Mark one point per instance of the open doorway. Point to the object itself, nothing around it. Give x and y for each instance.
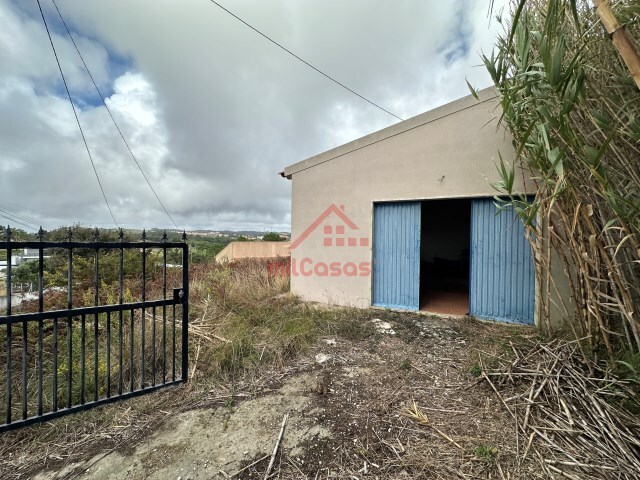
(444, 256)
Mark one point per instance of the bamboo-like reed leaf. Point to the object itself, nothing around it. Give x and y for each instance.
(574, 114)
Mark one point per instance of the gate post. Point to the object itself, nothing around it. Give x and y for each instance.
(185, 308)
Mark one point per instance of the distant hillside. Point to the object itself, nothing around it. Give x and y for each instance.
(235, 233)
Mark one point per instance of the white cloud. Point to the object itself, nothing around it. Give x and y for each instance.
(212, 110)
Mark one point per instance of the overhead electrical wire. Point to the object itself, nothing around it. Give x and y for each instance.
(17, 212)
(116, 124)
(11, 218)
(111, 115)
(305, 62)
(16, 221)
(75, 113)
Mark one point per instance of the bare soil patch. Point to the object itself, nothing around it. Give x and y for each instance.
(345, 416)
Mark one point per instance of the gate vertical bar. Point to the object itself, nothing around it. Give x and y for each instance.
(108, 349)
(96, 301)
(185, 308)
(9, 326)
(153, 346)
(144, 298)
(120, 301)
(131, 371)
(83, 366)
(164, 307)
(69, 321)
(40, 309)
(54, 385)
(173, 343)
(24, 369)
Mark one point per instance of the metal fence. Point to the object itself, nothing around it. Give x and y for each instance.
(71, 356)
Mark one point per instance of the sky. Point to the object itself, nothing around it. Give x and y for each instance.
(211, 110)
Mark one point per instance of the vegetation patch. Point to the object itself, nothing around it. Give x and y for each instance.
(569, 99)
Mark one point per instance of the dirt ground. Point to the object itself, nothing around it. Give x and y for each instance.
(346, 402)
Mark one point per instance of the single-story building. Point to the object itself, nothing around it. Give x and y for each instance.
(242, 250)
(405, 218)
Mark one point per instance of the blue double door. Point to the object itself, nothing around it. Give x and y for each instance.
(501, 280)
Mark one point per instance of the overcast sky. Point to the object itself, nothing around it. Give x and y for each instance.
(211, 110)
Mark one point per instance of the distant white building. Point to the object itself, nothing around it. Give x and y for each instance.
(24, 255)
(20, 293)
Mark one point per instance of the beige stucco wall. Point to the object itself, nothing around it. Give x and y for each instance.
(239, 250)
(449, 152)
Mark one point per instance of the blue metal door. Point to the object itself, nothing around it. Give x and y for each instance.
(396, 255)
(502, 281)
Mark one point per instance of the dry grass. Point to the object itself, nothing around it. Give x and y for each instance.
(411, 405)
(244, 320)
(573, 414)
(242, 324)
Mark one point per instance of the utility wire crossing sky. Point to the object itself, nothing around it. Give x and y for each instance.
(208, 110)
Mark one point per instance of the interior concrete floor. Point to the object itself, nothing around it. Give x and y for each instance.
(448, 302)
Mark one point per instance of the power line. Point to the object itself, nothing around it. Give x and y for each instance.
(76, 114)
(305, 62)
(18, 213)
(11, 218)
(111, 115)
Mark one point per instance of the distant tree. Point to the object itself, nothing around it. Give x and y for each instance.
(81, 233)
(26, 273)
(241, 238)
(17, 234)
(272, 237)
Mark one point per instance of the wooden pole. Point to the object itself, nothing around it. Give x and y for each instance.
(620, 38)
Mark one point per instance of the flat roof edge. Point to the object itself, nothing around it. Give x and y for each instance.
(419, 120)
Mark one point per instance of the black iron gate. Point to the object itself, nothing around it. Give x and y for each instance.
(62, 357)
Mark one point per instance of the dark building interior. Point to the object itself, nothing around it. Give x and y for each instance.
(444, 256)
